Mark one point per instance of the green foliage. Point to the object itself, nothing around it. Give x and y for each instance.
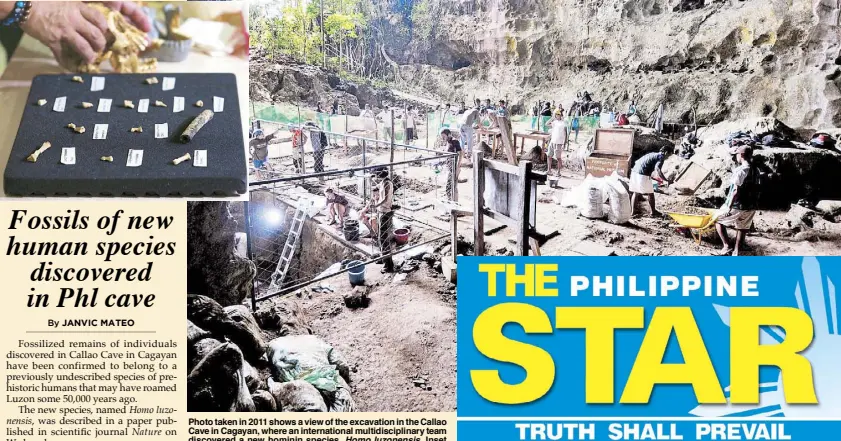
(423, 20)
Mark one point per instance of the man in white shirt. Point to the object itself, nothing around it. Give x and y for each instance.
(409, 117)
(385, 118)
(558, 127)
(468, 121)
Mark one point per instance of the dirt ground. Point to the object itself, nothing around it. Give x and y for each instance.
(401, 348)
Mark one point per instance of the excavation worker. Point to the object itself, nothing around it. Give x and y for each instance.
(319, 143)
(368, 215)
(385, 213)
(74, 31)
(259, 146)
(469, 121)
(299, 139)
(453, 146)
(558, 139)
(409, 117)
(646, 167)
(337, 207)
(742, 200)
(504, 123)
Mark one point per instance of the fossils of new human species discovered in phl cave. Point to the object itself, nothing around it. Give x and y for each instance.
(181, 159)
(125, 43)
(86, 105)
(71, 126)
(107, 159)
(137, 130)
(151, 80)
(199, 103)
(79, 129)
(42, 101)
(34, 156)
(77, 79)
(128, 104)
(196, 125)
(160, 103)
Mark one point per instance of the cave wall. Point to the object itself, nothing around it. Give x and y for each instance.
(727, 58)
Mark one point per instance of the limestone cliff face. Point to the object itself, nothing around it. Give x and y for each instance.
(726, 58)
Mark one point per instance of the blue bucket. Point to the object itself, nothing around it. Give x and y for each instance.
(356, 275)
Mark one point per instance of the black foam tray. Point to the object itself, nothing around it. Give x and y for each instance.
(222, 137)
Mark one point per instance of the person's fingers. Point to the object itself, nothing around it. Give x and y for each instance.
(81, 46)
(93, 35)
(94, 17)
(135, 14)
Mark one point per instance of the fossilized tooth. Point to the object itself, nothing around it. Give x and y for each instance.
(78, 79)
(181, 159)
(86, 105)
(128, 104)
(151, 80)
(199, 103)
(34, 156)
(107, 158)
(42, 101)
(80, 129)
(196, 125)
(137, 130)
(160, 103)
(71, 126)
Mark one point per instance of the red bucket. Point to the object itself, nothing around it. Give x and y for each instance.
(401, 236)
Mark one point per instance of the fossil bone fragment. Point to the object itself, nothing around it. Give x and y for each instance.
(125, 44)
(196, 125)
(78, 79)
(137, 130)
(160, 103)
(34, 156)
(199, 103)
(71, 126)
(86, 105)
(42, 101)
(181, 159)
(80, 129)
(151, 80)
(107, 158)
(128, 104)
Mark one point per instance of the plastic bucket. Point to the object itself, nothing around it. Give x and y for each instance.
(351, 230)
(356, 275)
(401, 236)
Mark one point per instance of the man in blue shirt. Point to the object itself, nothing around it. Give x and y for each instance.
(641, 175)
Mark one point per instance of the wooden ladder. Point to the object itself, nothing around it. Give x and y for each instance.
(291, 244)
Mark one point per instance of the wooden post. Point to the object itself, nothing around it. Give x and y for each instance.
(454, 232)
(250, 250)
(523, 209)
(478, 203)
(391, 147)
(364, 173)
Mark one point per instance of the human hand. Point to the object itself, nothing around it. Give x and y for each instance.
(73, 31)
(133, 12)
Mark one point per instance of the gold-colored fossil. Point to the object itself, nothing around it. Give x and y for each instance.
(151, 80)
(137, 130)
(107, 158)
(71, 126)
(160, 103)
(80, 129)
(78, 79)
(42, 101)
(199, 103)
(128, 104)
(86, 105)
(34, 156)
(181, 159)
(125, 43)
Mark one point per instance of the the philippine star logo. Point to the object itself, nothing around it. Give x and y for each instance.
(815, 295)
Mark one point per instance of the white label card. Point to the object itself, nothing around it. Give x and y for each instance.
(104, 105)
(218, 104)
(60, 102)
(97, 84)
(135, 158)
(143, 106)
(68, 155)
(100, 131)
(200, 158)
(178, 104)
(161, 130)
(168, 84)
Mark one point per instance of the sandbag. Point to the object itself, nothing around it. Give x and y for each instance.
(296, 396)
(591, 205)
(217, 383)
(307, 357)
(619, 201)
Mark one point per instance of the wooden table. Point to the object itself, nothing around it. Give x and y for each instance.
(541, 137)
(32, 58)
